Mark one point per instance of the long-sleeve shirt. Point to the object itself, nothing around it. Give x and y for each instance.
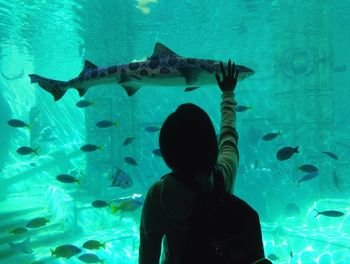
(169, 203)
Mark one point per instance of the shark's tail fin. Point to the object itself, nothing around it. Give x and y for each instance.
(56, 88)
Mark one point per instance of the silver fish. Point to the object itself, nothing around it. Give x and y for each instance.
(308, 176)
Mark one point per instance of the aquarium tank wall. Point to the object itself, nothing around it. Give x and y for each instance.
(76, 164)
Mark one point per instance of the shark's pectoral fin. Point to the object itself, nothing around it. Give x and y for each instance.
(190, 75)
(189, 89)
(81, 91)
(126, 82)
(131, 89)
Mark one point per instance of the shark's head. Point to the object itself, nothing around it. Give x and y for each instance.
(209, 67)
(244, 72)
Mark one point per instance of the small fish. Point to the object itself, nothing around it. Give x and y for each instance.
(65, 251)
(336, 181)
(32, 164)
(127, 205)
(90, 148)
(256, 164)
(106, 123)
(291, 254)
(330, 213)
(99, 204)
(65, 178)
(22, 247)
(131, 161)
(190, 89)
(93, 244)
(243, 108)
(84, 103)
(331, 154)
(17, 123)
(90, 258)
(309, 168)
(254, 135)
(121, 179)
(157, 152)
(152, 129)
(128, 141)
(286, 152)
(292, 210)
(18, 230)
(272, 257)
(271, 136)
(340, 68)
(27, 150)
(37, 222)
(308, 176)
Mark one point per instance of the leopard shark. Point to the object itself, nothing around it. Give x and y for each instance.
(163, 68)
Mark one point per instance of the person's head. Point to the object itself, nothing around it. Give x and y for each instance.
(188, 141)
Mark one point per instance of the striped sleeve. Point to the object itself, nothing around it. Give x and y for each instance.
(228, 151)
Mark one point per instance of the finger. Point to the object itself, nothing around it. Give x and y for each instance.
(229, 68)
(217, 78)
(233, 69)
(236, 74)
(222, 69)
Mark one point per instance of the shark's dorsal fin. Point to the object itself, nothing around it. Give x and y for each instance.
(88, 65)
(161, 50)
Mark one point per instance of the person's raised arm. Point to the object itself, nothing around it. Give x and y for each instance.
(228, 151)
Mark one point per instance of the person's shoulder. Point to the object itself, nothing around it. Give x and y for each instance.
(153, 192)
(155, 187)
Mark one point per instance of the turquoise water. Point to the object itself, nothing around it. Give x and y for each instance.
(299, 51)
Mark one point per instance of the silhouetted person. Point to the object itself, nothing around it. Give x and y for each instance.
(189, 147)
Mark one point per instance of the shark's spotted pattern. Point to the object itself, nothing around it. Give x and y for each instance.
(112, 70)
(144, 72)
(163, 68)
(153, 63)
(134, 66)
(172, 60)
(191, 61)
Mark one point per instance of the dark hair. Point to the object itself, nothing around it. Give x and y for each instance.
(188, 141)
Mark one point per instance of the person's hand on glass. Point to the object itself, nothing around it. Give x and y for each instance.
(229, 81)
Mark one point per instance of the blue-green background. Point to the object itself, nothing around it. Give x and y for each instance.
(299, 51)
